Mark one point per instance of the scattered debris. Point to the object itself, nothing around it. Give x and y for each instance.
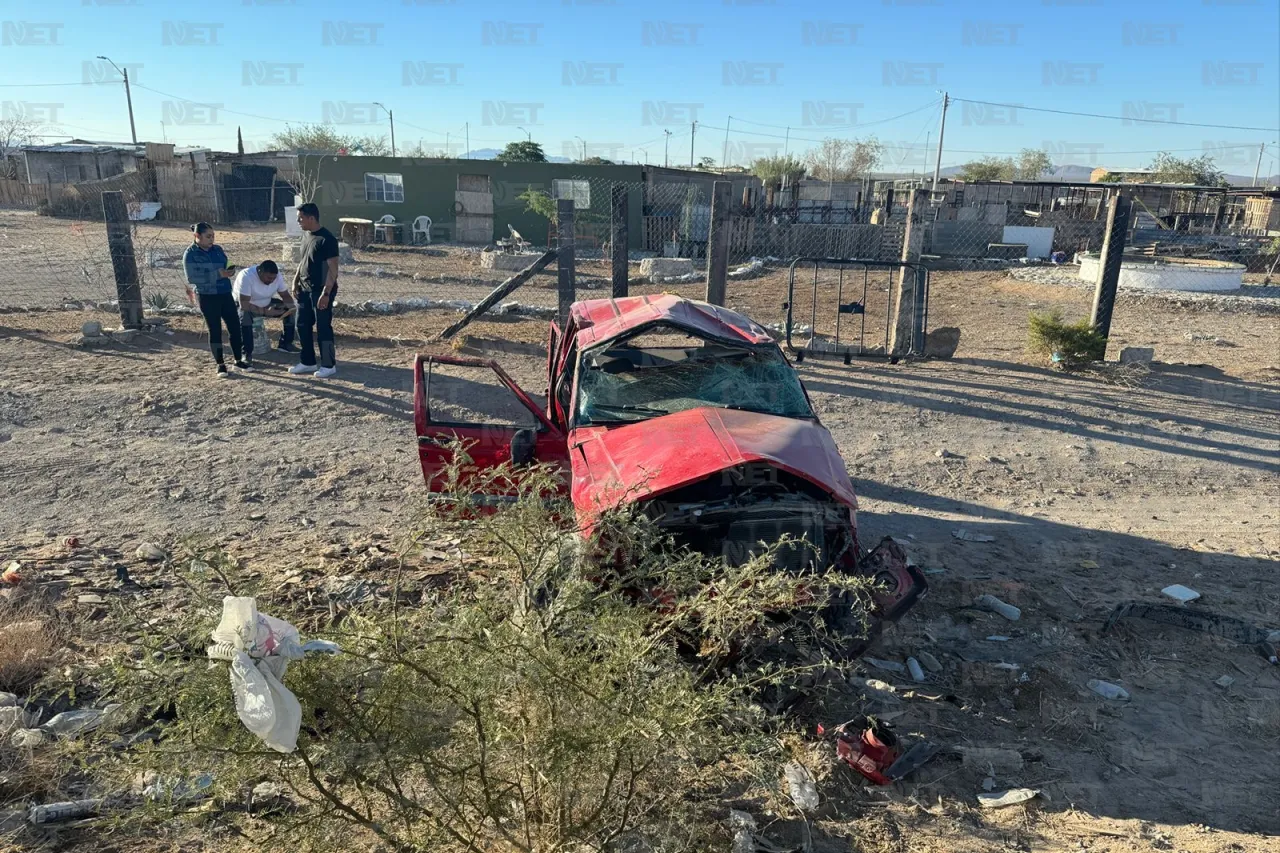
(11, 574)
(156, 787)
(12, 717)
(1180, 593)
(874, 751)
(998, 638)
(72, 724)
(1004, 799)
(1225, 681)
(913, 667)
(877, 686)
(947, 454)
(90, 598)
(800, 784)
(965, 536)
(995, 605)
(751, 269)
(886, 665)
(151, 552)
(1088, 564)
(54, 812)
(28, 738)
(1107, 690)
(930, 662)
(743, 825)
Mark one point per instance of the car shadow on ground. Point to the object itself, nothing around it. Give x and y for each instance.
(985, 393)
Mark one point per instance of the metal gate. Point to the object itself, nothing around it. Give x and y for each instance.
(846, 308)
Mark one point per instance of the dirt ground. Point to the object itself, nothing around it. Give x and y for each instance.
(1093, 493)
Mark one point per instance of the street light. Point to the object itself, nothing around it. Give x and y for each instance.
(391, 117)
(584, 146)
(527, 135)
(124, 72)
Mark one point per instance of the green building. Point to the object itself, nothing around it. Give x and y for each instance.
(469, 201)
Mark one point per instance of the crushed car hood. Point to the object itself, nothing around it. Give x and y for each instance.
(629, 462)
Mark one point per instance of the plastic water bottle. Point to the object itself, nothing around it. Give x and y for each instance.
(261, 343)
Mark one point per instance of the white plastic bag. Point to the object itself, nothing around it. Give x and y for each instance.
(259, 648)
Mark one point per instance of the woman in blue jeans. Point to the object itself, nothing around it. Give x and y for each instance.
(209, 284)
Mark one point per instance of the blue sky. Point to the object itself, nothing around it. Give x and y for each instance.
(778, 75)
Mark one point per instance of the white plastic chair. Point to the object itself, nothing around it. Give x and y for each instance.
(422, 225)
(387, 220)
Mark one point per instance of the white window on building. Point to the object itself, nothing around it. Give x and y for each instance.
(579, 191)
(383, 187)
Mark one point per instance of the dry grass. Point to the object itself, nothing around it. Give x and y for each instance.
(28, 644)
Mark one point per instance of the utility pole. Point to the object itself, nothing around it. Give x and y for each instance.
(942, 129)
(692, 136)
(1258, 168)
(786, 145)
(724, 156)
(446, 143)
(666, 150)
(128, 96)
(392, 119)
(584, 146)
(467, 127)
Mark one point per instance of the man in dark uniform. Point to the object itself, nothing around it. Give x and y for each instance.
(316, 286)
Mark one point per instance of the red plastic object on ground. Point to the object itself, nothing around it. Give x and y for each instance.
(872, 751)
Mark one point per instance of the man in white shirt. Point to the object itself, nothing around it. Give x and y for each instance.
(260, 290)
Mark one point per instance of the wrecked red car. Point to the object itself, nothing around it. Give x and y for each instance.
(689, 410)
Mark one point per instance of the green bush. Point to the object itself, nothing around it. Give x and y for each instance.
(1069, 345)
(545, 699)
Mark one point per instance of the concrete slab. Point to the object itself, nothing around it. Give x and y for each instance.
(666, 267)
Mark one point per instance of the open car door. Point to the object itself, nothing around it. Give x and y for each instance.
(474, 401)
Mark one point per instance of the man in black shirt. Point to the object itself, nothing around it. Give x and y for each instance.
(316, 286)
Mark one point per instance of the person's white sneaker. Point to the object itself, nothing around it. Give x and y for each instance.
(326, 372)
(299, 369)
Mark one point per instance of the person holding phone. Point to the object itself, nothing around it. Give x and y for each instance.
(209, 277)
(260, 291)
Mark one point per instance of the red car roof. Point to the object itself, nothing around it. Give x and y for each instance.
(596, 320)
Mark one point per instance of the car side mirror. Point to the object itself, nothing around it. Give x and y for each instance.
(523, 444)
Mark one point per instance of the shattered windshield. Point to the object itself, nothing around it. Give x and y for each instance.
(658, 373)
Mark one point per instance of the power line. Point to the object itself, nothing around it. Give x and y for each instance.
(220, 107)
(843, 126)
(1116, 118)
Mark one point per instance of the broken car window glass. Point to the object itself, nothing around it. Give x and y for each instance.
(656, 374)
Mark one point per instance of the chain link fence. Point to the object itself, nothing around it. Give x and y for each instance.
(59, 260)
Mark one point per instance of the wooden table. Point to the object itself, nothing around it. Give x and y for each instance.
(356, 233)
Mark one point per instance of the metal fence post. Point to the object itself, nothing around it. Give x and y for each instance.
(618, 239)
(718, 242)
(565, 259)
(1104, 295)
(123, 262)
(906, 303)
